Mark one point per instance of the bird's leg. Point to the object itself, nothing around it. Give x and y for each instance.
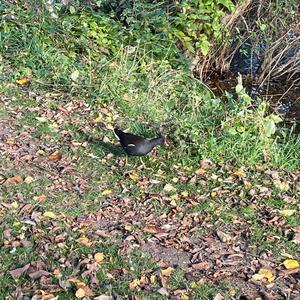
(141, 160)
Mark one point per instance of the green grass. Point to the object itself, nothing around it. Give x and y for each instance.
(131, 87)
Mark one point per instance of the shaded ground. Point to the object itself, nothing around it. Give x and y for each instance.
(76, 220)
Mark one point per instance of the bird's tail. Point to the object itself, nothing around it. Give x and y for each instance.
(117, 132)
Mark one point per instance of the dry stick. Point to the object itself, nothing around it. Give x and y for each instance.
(293, 83)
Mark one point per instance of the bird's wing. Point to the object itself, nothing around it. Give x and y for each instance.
(128, 139)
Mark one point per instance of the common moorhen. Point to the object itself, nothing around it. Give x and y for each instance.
(137, 145)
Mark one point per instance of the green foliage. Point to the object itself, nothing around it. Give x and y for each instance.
(198, 22)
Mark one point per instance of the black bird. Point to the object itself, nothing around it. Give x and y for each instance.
(137, 145)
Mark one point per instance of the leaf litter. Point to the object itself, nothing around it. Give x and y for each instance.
(199, 242)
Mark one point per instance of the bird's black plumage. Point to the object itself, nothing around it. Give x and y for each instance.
(137, 145)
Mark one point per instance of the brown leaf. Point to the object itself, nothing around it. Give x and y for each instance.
(224, 237)
(40, 198)
(16, 273)
(63, 109)
(38, 274)
(203, 266)
(167, 272)
(152, 229)
(55, 156)
(289, 272)
(13, 180)
(205, 163)
(200, 171)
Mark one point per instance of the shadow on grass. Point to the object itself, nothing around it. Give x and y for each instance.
(105, 147)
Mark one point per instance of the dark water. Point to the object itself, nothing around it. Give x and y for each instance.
(284, 97)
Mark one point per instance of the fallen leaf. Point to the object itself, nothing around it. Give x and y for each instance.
(224, 237)
(40, 198)
(133, 284)
(291, 264)
(106, 192)
(99, 257)
(152, 229)
(16, 273)
(134, 176)
(13, 180)
(169, 188)
(22, 81)
(80, 293)
(202, 266)
(104, 297)
(287, 212)
(185, 194)
(200, 171)
(41, 119)
(49, 214)
(218, 297)
(55, 156)
(28, 179)
(264, 274)
(205, 163)
(84, 241)
(281, 185)
(167, 272)
(239, 172)
(184, 297)
(213, 194)
(163, 291)
(75, 75)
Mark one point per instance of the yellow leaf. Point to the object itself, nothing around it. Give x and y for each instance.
(22, 81)
(49, 214)
(184, 297)
(53, 125)
(152, 279)
(169, 188)
(15, 204)
(281, 185)
(113, 64)
(84, 241)
(98, 119)
(133, 284)
(167, 272)
(247, 185)
(28, 179)
(239, 172)
(40, 152)
(77, 282)
(80, 293)
(128, 228)
(134, 176)
(106, 192)
(264, 274)
(291, 264)
(185, 194)
(99, 257)
(287, 212)
(213, 194)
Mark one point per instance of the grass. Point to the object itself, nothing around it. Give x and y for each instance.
(135, 90)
